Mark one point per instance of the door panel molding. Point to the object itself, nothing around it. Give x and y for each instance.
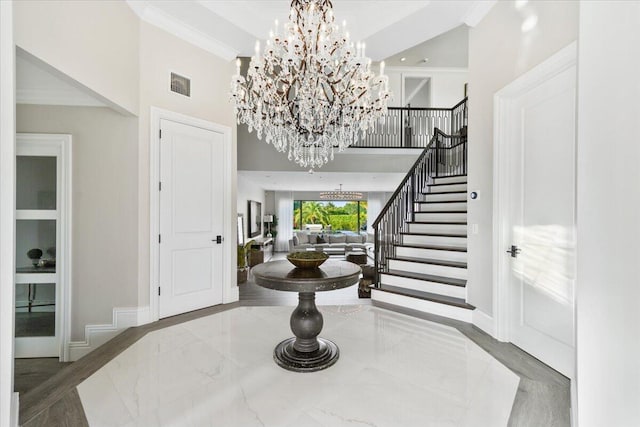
(505, 132)
(229, 288)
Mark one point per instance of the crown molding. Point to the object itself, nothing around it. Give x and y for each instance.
(154, 16)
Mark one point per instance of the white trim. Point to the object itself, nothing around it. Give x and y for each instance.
(478, 11)
(574, 402)
(483, 321)
(15, 409)
(503, 124)
(8, 404)
(444, 310)
(96, 335)
(52, 96)
(60, 145)
(230, 291)
(154, 16)
(425, 71)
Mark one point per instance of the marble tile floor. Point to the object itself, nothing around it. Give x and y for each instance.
(394, 370)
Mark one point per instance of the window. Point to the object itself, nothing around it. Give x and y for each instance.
(334, 216)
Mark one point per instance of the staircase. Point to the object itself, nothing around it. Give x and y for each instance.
(428, 271)
(421, 235)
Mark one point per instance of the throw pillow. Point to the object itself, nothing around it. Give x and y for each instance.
(302, 238)
(320, 239)
(296, 241)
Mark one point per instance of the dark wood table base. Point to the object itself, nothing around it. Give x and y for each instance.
(287, 357)
(306, 352)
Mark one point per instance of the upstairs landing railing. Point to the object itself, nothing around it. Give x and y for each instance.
(405, 127)
(445, 155)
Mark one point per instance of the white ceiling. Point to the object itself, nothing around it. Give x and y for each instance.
(230, 28)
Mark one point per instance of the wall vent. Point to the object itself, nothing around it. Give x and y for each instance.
(180, 84)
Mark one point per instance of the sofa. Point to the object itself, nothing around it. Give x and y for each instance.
(303, 241)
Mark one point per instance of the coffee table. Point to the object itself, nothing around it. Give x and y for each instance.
(305, 352)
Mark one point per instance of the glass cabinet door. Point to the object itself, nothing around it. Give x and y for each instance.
(37, 241)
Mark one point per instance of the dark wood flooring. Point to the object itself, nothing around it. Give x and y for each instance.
(542, 398)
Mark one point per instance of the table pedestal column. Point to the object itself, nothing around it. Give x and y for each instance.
(306, 352)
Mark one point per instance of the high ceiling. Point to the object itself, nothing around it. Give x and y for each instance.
(230, 28)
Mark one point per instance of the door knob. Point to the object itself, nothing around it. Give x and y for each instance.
(218, 239)
(514, 251)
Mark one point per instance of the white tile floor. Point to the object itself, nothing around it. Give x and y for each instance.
(394, 370)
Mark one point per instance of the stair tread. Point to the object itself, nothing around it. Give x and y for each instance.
(443, 201)
(444, 192)
(444, 263)
(447, 183)
(434, 247)
(441, 212)
(442, 299)
(427, 277)
(450, 176)
(436, 222)
(436, 234)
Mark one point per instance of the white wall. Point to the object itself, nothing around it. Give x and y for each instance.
(248, 190)
(257, 155)
(376, 202)
(446, 84)
(8, 411)
(499, 52)
(105, 204)
(161, 53)
(95, 43)
(608, 288)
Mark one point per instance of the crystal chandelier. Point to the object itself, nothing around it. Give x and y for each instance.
(311, 91)
(340, 195)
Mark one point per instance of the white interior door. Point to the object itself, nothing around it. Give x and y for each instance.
(542, 275)
(191, 218)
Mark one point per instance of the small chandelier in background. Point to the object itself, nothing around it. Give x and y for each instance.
(340, 195)
(311, 92)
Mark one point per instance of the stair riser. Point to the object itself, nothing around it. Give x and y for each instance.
(461, 197)
(431, 254)
(438, 228)
(435, 207)
(451, 179)
(434, 240)
(444, 310)
(446, 188)
(424, 286)
(436, 270)
(440, 217)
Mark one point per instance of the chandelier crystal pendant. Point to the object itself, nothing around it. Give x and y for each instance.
(311, 91)
(340, 195)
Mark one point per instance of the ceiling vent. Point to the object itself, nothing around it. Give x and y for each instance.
(180, 84)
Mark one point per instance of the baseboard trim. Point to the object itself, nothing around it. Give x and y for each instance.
(96, 335)
(483, 321)
(15, 409)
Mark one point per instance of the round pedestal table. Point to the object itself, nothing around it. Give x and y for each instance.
(306, 352)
